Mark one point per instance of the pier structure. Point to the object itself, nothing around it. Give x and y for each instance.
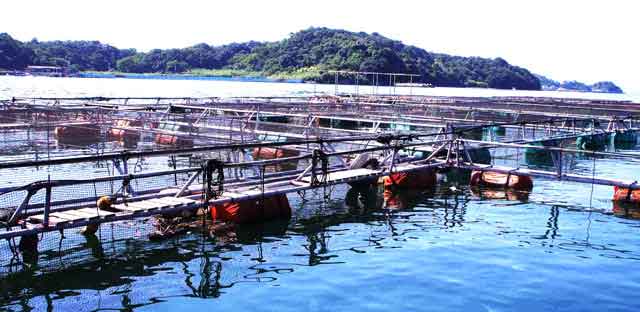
(330, 137)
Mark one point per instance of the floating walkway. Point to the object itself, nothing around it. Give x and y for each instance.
(385, 136)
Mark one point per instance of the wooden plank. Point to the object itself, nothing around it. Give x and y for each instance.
(82, 214)
(344, 175)
(177, 200)
(168, 201)
(127, 207)
(148, 205)
(68, 216)
(100, 213)
(52, 219)
(136, 206)
(163, 203)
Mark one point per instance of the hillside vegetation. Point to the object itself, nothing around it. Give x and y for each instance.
(306, 55)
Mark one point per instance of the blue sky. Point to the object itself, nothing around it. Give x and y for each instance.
(563, 39)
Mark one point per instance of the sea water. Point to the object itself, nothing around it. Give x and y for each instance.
(564, 248)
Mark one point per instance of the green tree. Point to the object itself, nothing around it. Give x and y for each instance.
(14, 54)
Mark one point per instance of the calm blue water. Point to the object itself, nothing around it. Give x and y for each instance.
(444, 252)
(67, 87)
(563, 249)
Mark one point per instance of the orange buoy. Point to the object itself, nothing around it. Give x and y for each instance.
(626, 209)
(411, 179)
(73, 133)
(121, 130)
(496, 179)
(170, 139)
(273, 153)
(626, 195)
(254, 210)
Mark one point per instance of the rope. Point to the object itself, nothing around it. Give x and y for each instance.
(593, 178)
(208, 168)
(319, 156)
(262, 198)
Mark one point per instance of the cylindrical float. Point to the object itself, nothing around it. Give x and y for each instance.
(591, 142)
(411, 179)
(253, 210)
(273, 153)
(122, 130)
(171, 139)
(77, 133)
(623, 194)
(505, 180)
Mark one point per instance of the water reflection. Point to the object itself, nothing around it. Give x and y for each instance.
(506, 194)
(626, 210)
(322, 233)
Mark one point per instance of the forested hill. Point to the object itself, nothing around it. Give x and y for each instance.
(307, 54)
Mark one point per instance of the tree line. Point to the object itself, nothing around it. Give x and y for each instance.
(310, 53)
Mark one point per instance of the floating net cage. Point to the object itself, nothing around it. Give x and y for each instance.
(205, 122)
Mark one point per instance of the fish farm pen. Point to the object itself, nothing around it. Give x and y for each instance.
(127, 170)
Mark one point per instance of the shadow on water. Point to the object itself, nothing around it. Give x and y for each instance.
(203, 266)
(141, 258)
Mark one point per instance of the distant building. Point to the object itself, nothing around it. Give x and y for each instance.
(52, 71)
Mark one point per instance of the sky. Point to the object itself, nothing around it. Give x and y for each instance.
(563, 39)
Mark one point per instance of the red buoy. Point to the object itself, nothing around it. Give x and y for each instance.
(625, 209)
(273, 153)
(411, 179)
(170, 139)
(623, 194)
(496, 179)
(122, 130)
(77, 132)
(254, 210)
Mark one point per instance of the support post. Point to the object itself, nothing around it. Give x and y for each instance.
(47, 205)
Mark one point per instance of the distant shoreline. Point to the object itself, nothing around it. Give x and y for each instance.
(160, 76)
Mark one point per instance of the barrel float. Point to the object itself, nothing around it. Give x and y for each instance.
(626, 210)
(253, 210)
(273, 153)
(593, 142)
(623, 194)
(77, 133)
(625, 139)
(411, 179)
(120, 130)
(495, 179)
(170, 139)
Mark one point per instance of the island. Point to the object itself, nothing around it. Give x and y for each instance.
(310, 55)
(599, 87)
